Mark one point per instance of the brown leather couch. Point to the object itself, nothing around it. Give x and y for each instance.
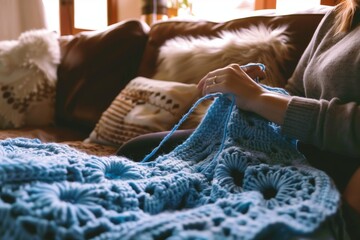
(95, 66)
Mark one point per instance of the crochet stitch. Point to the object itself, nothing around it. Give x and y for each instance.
(235, 177)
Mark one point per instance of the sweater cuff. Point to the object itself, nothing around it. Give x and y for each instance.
(299, 117)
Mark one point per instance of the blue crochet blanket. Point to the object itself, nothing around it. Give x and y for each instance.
(235, 177)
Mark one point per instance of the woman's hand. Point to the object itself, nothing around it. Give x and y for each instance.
(237, 80)
(250, 96)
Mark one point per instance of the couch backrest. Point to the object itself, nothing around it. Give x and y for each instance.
(301, 26)
(97, 65)
(94, 67)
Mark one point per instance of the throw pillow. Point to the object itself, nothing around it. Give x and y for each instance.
(28, 79)
(188, 59)
(143, 106)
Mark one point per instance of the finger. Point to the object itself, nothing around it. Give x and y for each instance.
(254, 65)
(202, 81)
(252, 68)
(214, 84)
(213, 88)
(254, 71)
(200, 85)
(207, 83)
(209, 78)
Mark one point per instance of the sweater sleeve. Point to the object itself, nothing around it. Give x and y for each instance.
(295, 85)
(329, 125)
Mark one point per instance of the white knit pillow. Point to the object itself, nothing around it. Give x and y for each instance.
(28, 79)
(143, 106)
(188, 59)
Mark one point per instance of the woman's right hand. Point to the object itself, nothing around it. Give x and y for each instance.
(237, 80)
(255, 70)
(249, 95)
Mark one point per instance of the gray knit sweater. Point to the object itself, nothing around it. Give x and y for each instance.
(325, 108)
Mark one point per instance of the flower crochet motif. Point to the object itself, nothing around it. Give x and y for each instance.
(235, 177)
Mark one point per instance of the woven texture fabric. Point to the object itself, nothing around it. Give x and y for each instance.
(235, 177)
(28, 79)
(143, 106)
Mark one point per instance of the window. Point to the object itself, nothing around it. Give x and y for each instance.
(221, 10)
(72, 16)
(52, 15)
(90, 14)
(291, 5)
(96, 14)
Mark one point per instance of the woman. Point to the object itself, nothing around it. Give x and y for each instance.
(323, 109)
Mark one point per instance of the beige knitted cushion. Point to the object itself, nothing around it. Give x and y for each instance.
(28, 79)
(143, 106)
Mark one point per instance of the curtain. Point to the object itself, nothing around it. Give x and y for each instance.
(17, 16)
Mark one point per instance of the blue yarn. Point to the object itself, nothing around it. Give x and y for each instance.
(262, 68)
(213, 164)
(195, 105)
(235, 177)
(182, 120)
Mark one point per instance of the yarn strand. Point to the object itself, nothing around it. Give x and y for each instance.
(208, 96)
(182, 120)
(214, 162)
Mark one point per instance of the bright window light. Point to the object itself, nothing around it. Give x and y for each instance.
(215, 10)
(90, 14)
(291, 5)
(52, 15)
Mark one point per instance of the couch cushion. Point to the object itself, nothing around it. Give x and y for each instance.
(28, 79)
(95, 67)
(144, 106)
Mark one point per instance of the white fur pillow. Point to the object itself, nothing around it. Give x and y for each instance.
(188, 59)
(28, 79)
